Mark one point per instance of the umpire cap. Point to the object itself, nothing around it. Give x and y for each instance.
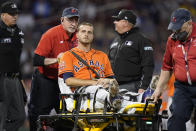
(126, 15)
(178, 18)
(9, 7)
(70, 12)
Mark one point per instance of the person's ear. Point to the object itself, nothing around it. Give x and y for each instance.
(190, 22)
(2, 15)
(62, 19)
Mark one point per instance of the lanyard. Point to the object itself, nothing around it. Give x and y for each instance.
(186, 62)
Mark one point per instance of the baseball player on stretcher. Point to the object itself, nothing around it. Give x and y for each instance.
(95, 77)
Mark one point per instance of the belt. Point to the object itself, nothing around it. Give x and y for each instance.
(186, 83)
(10, 74)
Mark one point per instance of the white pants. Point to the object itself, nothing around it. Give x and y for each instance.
(101, 95)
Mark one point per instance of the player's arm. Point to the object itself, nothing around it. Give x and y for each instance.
(66, 71)
(75, 82)
(108, 73)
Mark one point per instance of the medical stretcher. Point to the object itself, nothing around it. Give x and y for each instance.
(146, 117)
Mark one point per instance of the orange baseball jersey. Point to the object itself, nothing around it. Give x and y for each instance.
(72, 67)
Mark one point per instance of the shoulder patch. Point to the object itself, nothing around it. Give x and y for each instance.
(148, 48)
(62, 65)
(6, 40)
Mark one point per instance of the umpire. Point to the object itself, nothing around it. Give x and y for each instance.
(12, 112)
(131, 54)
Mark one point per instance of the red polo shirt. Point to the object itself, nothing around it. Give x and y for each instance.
(174, 58)
(53, 42)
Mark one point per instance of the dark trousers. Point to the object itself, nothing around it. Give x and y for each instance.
(12, 112)
(131, 86)
(44, 97)
(184, 100)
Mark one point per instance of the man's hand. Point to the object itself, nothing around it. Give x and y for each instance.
(106, 82)
(156, 95)
(59, 56)
(141, 90)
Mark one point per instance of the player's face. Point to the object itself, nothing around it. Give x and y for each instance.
(85, 34)
(119, 25)
(9, 19)
(70, 24)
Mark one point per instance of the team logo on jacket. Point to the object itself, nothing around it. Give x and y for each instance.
(128, 43)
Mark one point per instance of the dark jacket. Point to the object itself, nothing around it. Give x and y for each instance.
(11, 43)
(131, 57)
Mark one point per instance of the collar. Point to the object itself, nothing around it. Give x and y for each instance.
(10, 29)
(193, 34)
(91, 51)
(131, 31)
(3, 25)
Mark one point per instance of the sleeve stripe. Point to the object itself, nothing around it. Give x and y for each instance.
(67, 75)
(111, 74)
(64, 71)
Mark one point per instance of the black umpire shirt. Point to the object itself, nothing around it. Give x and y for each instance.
(11, 43)
(131, 57)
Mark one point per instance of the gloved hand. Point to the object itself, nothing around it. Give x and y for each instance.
(113, 87)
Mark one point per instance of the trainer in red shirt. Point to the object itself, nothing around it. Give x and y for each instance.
(180, 58)
(174, 58)
(53, 42)
(45, 90)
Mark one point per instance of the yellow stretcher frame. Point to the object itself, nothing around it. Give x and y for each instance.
(97, 121)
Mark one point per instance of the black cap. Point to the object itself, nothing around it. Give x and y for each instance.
(9, 7)
(126, 15)
(70, 12)
(178, 18)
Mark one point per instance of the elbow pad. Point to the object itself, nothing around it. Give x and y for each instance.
(38, 60)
